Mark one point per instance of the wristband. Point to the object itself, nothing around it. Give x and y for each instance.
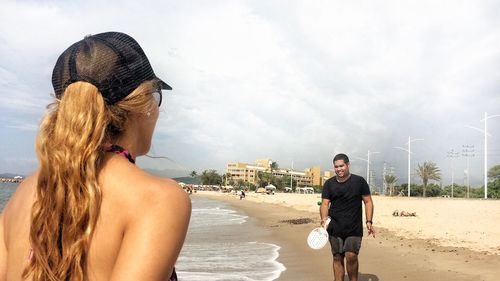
(369, 222)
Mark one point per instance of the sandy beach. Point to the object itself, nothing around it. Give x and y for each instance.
(448, 239)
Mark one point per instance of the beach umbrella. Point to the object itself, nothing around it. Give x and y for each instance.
(270, 186)
(260, 190)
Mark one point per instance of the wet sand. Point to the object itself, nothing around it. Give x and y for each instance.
(392, 255)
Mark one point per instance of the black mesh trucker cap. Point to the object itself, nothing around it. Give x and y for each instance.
(112, 61)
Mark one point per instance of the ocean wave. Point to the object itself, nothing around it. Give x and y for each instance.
(222, 245)
(245, 261)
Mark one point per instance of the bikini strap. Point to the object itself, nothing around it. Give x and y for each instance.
(121, 151)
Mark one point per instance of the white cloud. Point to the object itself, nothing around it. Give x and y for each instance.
(298, 82)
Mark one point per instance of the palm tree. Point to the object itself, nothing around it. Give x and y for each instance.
(210, 177)
(240, 183)
(273, 166)
(204, 177)
(390, 180)
(262, 178)
(428, 171)
(494, 172)
(193, 174)
(228, 178)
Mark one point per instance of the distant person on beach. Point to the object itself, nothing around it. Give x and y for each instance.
(341, 201)
(88, 212)
(397, 213)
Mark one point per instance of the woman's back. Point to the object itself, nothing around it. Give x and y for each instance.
(89, 213)
(15, 229)
(138, 234)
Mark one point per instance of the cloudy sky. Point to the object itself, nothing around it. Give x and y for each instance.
(288, 80)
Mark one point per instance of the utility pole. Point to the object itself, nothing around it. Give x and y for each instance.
(452, 154)
(468, 152)
(384, 184)
(270, 169)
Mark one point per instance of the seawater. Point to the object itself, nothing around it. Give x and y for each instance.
(6, 191)
(223, 244)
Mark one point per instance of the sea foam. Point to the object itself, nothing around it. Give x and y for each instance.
(222, 245)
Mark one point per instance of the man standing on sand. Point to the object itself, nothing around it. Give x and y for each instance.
(341, 201)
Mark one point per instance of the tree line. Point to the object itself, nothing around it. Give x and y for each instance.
(212, 177)
(427, 172)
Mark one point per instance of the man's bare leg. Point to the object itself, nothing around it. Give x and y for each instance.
(338, 267)
(352, 265)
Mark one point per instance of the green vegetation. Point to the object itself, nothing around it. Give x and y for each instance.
(263, 178)
(459, 191)
(494, 172)
(210, 177)
(416, 190)
(494, 189)
(274, 166)
(188, 180)
(390, 180)
(318, 188)
(247, 185)
(428, 171)
(267, 177)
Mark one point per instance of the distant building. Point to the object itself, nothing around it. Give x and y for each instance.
(249, 172)
(315, 174)
(327, 175)
(16, 179)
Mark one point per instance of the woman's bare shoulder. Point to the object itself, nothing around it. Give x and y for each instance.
(24, 195)
(136, 189)
(152, 189)
(155, 225)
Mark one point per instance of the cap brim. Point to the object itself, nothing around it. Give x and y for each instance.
(163, 85)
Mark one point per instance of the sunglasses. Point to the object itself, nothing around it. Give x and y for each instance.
(157, 96)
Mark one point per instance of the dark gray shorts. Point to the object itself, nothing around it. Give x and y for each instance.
(350, 244)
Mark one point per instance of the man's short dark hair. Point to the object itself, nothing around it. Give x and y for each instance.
(341, 156)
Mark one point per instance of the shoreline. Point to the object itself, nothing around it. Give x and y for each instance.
(390, 256)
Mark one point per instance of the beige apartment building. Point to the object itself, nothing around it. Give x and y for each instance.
(249, 172)
(327, 175)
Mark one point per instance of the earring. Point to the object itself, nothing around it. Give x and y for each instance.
(148, 114)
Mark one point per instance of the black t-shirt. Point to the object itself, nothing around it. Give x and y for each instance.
(345, 205)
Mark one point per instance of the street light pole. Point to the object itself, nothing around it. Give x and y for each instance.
(485, 155)
(409, 159)
(368, 165)
(485, 132)
(271, 169)
(486, 117)
(409, 170)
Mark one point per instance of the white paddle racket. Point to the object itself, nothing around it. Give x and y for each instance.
(318, 237)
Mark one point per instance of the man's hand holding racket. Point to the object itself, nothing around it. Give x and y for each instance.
(318, 237)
